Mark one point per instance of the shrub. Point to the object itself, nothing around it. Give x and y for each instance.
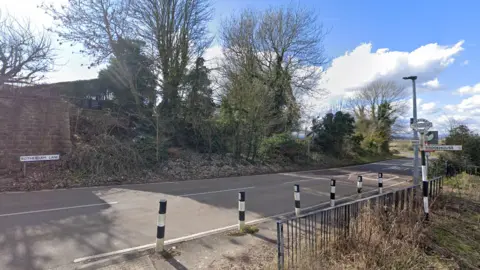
(146, 147)
(104, 155)
(282, 146)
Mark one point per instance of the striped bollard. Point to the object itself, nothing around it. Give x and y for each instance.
(296, 195)
(241, 210)
(162, 211)
(332, 192)
(425, 184)
(380, 182)
(359, 184)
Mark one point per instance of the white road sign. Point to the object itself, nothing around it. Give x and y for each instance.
(437, 147)
(422, 125)
(39, 158)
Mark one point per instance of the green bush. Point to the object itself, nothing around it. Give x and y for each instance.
(282, 146)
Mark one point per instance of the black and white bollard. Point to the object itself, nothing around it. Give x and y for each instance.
(380, 182)
(162, 211)
(241, 210)
(296, 196)
(359, 184)
(425, 185)
(332, 192)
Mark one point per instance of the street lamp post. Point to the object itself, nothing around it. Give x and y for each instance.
(415, 133)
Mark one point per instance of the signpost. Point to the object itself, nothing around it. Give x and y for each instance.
(26, 159)
(39, 158)
(438, 147)
(431, 137)
(422, 125)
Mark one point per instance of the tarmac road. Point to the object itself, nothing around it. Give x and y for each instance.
(50, 229)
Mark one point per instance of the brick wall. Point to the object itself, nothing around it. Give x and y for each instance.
(32, 122)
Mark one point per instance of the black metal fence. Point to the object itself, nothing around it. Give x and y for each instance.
(306, 237)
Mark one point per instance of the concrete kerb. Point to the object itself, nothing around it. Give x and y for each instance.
(104, 256)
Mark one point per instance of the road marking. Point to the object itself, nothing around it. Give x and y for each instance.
(303, 176)
(211, 192)
(209, 232)
(305, 180)
(375, 178)
(183, 181)
(55, 209)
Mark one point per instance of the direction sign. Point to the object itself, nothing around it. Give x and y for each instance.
(39, 158)
(437, 147)
(422, 125)
(431, 137)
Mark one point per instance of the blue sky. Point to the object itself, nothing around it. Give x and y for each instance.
(436, 40)
(400, 26)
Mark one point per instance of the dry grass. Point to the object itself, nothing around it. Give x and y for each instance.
(403, 240)
(455, 228)
(378, 241)
(247, 229)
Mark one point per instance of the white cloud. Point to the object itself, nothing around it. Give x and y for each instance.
(471, 103)
(433, 84)
(361, 66)
(467, 112)
(469, 90)
(428, 107)
(465, 63)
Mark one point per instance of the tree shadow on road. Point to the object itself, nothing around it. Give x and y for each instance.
(45, 240)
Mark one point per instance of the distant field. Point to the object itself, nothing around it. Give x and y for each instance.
(401, 147)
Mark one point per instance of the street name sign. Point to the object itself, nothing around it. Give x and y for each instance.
(39, 158)
(422, 125)
(437, 147)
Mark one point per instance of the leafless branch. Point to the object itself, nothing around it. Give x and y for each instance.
(25, 54)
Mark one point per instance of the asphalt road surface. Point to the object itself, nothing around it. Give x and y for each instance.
(50, 229)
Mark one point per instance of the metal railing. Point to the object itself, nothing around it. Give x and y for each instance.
(308, 235)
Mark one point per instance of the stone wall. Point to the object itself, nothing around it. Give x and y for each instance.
(33, 121)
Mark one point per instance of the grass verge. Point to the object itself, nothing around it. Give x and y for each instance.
(403, 240)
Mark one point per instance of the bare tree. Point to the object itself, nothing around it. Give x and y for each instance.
(377, 107)
(97, 25)
(177, 32)
(104, 28)
(291, 40)
(283, 48)
(369, 98)
(25, 54)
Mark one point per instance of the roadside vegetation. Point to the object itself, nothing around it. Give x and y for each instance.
(164, 111)
(449, 240)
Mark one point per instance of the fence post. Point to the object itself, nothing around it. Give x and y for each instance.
(425, 185)
(359, 184)
(281, 258)
(380, 182)
(296, 196)
(446, 168)
(332, 192)
(162, 211)
(241, 210)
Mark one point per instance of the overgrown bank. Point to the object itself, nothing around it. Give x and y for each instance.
(182, 165)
